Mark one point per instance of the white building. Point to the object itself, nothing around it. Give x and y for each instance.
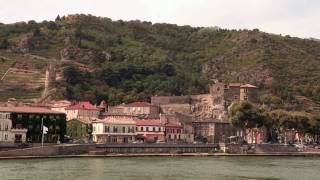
(8, 135)
(114, 129)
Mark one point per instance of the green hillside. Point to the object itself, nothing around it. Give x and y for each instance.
(126, 61)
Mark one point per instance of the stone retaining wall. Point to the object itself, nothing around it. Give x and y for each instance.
(48, 151)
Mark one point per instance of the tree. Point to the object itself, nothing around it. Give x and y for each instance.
(4, 44)
(58, 18)
(301, 123)
(246, 116)
(279, 122)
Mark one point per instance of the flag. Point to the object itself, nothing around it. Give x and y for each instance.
(44, 130)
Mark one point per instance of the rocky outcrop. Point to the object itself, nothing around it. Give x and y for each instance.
(74, 53)
(25, 45)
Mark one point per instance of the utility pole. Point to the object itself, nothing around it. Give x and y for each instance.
(42, 132)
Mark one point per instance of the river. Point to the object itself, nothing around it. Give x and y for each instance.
(156, 168)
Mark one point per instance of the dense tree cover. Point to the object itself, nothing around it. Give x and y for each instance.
(127, 61)
(78, 130)
(244, 115)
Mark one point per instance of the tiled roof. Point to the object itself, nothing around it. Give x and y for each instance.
(36, 110)
(62, 103)
(234, 84)
(83, 105)
(149, 122)
(173, 125)
(138, 104)
(127, 120)
(248, 86)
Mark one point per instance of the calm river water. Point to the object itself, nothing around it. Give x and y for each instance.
(149, 168)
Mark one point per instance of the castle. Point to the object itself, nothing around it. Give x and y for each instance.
(208, 111)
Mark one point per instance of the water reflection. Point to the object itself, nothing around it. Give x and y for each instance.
(156, 168)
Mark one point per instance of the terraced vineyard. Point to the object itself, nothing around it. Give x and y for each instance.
(25, 78)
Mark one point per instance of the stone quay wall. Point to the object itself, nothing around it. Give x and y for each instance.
(154, 148)
(259, 149)
(48, 151)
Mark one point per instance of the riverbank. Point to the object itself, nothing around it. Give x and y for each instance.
(298, 154)
(153, 150)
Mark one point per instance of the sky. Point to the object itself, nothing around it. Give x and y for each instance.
(300, 18)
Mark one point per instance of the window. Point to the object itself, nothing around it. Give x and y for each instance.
(245, 90)
(115, 129)
(235, 97)
(159, 129)
(147, 129)
(141, 128)
(245, 97)
(106, 129)
(123, 129)
(136, 128)
(154, 129)
(6, 137)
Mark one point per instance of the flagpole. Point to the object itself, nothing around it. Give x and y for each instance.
(42, 132)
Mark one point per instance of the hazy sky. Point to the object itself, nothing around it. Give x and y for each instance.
(294, 17)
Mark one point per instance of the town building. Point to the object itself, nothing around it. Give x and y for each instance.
(185, 124)
(134, 109)
(228, 93)
(9, 135)
(114, 129)
(174, 132)
(212, 131)
(83, 111)
(60, 106)
(30, 118)
(150, 130)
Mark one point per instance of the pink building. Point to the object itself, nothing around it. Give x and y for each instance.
(150, 130)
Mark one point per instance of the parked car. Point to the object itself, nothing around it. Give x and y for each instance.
(159, 142)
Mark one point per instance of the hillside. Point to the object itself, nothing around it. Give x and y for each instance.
(127, 61)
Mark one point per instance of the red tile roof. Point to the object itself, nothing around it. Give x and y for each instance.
(149, 122)
(83, 105)
(173, 125)
(138, 104)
